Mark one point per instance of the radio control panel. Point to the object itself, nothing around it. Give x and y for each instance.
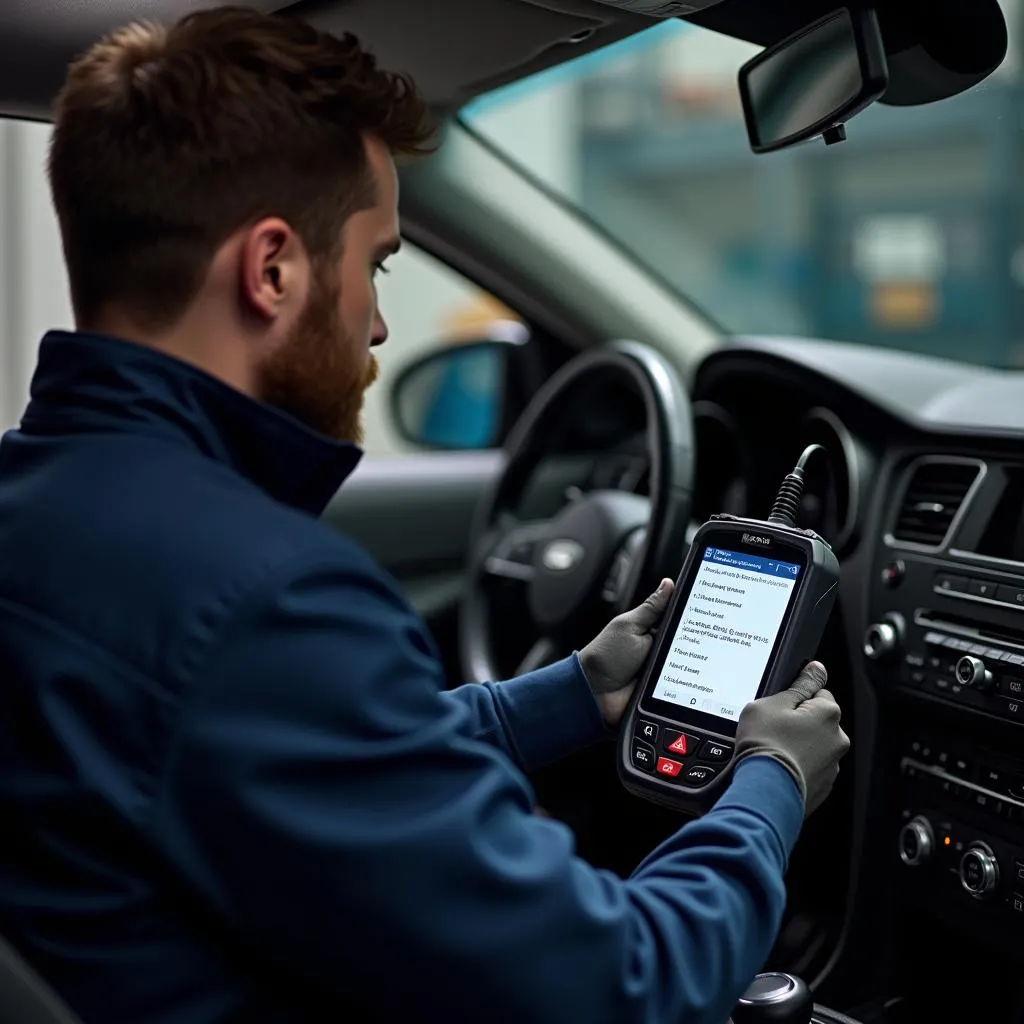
(960, 838)
(958, 636)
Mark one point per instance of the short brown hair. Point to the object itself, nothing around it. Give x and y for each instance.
(169, 139)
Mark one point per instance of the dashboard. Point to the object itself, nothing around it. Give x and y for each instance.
(922, 497)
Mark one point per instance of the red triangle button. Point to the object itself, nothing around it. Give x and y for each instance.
(678, 745)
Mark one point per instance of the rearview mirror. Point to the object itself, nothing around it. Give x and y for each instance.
(812, 83)
(453, 398)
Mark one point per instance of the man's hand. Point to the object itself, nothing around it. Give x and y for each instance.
(613, 659)
(799, 727)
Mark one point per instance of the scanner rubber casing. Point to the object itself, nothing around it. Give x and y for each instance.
(800, 635)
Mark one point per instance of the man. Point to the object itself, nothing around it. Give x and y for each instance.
(232, 787)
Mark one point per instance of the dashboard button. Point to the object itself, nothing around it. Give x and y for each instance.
(893, 573)
(953, 584)
(681, 744)
(646, 731)
(1013, 707)
(1010, 595)
(950, 787)
(643, 756)
(979, 871)
(713, 751)
(982, 588)
(699, 774)
(668, 767)
(1012, 687)
(1014, 659)
(916, 842)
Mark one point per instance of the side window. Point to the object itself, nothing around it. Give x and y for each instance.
(442, 380)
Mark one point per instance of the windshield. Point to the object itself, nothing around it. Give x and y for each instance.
(910, 235)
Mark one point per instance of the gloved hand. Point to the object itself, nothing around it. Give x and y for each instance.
(614, 658)
(799, 727)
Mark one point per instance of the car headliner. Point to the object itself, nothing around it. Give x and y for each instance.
(457, 49)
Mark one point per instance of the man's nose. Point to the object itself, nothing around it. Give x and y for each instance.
(380, 331)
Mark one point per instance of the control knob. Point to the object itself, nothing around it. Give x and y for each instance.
(775, 998)
(979, 871)
(883, 639)
(973, 673)
(917, 842)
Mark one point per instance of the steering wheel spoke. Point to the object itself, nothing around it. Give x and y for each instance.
(545, 651)
(511, 555)
(617, 589)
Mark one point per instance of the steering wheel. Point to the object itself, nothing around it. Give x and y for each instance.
(605, 550)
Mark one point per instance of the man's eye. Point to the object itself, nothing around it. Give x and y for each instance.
(380, 268)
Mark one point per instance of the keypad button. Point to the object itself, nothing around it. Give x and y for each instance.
(982, 588)
(668, 767)
(715, 751)
(681, 744)
(646, 731)
(699, 774)
(643, 756)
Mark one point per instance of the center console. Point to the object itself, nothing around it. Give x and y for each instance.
(946, 643)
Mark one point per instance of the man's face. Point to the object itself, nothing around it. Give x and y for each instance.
(321, 372)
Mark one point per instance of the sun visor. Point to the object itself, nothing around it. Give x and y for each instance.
(935, 48)
(947, 48)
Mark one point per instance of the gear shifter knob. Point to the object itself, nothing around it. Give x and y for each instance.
(775, 998)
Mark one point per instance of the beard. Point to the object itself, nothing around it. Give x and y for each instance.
(316, 375)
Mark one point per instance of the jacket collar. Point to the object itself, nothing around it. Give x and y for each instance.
(87, 383)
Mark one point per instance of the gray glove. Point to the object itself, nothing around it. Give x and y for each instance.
(612, 661)
(799, 727)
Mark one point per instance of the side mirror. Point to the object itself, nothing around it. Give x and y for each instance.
(454, 398)
(812, 83)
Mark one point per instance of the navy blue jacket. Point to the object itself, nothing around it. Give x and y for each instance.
(233, 788)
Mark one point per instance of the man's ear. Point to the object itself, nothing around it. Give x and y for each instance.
(274, 269)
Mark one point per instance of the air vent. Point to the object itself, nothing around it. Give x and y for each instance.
(933, 497)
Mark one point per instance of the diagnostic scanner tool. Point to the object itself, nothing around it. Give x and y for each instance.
(748, 613)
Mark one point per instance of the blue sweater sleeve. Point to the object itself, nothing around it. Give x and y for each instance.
(331, 808)
(535, 718)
